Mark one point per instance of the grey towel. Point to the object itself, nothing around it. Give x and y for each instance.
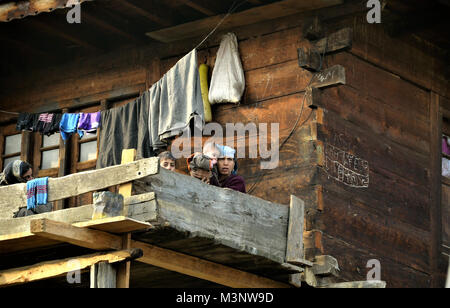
(175, 100)
(124, 128)
(162, 112)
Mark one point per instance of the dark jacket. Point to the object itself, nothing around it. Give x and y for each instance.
(235, 182)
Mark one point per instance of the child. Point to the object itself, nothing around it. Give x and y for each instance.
(212, 151)
(167, 161)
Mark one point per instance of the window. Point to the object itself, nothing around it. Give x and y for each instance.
(10, 145)
(50, 152)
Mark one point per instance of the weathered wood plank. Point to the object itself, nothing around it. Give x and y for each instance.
(234, 219)
(254, 15)
(14, 196)
(54, 269)
(117, 225)
(295, 251)
(202, 269)
(83, 237)
(138, 206)
(384, 236)
(353, 260)
(379, 117)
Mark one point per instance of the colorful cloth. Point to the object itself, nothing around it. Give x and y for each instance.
(445, 145)
(69, 125)
(37, 193)
(89, 122)
(46, 117)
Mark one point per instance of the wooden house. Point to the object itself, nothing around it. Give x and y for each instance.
(362, 108)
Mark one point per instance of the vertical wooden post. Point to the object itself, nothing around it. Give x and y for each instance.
(123, 270)
(64, 160)
(295, 252)
(26, 149)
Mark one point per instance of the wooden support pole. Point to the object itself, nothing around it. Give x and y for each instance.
(128, 156)
(295, 253)
(124, 269)
(82, 237)
(57, 268)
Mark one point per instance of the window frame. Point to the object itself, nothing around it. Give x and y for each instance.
(7, 131)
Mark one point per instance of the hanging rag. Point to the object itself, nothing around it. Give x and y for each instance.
(446, 145)
(37, 193)
(89, 122)
(121, 128)
(53, 126)
(175, 101)
(25, 121)
(69, 125)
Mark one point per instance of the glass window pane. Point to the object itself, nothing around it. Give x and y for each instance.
(88, 151)
(13, 144)
(8, 160)
(50, 159)
(49, 141)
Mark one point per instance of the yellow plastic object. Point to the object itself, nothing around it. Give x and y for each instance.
(205, 92)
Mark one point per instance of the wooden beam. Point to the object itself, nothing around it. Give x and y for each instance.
(153, 255)
(21, 9)
(294, 247)
(14, 196)
(83, 237)
(55, 269)
(128, 156)
(198, 7)
(203, 269)
(124, 269)
(330, 77)
(109, 28)
(231, 218)
(63, 35)
(149, 15)
(258, 14)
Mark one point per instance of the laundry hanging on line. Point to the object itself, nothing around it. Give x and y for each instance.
(66, 124)
(159, 114)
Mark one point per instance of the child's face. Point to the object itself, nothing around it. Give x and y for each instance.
(213, 154)
(168, 164)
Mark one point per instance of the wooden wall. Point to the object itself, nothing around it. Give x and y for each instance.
(383, 116)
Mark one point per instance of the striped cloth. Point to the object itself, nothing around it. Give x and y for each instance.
(37, 193)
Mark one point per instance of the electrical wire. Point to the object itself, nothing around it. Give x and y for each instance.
(258, 180)
(232, 9)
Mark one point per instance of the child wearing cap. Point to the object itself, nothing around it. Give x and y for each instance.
(227, 170)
